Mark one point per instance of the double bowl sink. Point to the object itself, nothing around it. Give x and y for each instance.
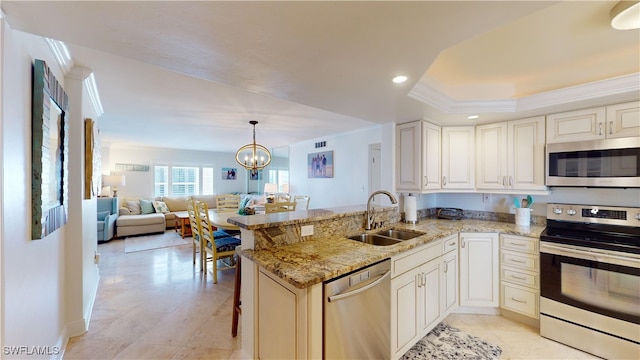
(385, 237)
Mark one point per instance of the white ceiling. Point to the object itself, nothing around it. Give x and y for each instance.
(192, 75)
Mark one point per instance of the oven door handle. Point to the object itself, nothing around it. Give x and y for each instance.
(559, 250)
(591, 255)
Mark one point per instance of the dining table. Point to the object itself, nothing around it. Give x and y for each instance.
(219, 218)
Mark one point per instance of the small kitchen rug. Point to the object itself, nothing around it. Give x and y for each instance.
(446, 342)
(154, 241)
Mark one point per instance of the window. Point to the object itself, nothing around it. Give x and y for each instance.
(280, 177)
(161, 180)
(183, 180)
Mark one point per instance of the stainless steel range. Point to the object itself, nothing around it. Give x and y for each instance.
(590, 279)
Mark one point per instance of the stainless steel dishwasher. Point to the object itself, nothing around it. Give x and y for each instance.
(357, 314)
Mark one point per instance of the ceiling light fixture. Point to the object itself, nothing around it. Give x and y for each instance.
(253, 156)
(399, 79)
(471, 117)
(626, 15)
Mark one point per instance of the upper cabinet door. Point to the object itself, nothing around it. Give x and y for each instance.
(458, 165)
(525, 154)
(491, 168)
(408, 156)
(431, 156)
(580, 125)
(623, 120)
(417, 156)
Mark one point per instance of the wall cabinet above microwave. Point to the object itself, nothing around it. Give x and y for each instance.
(614, 121)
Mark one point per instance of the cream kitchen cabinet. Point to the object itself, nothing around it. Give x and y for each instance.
(479, 277)
(613, 121)
(449, 286)
(510, 155)
(289, 319)
(458, 158)
(415, 296)
(520, 275)
(418, 156)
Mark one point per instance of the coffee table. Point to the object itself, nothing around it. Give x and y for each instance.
(182, 225)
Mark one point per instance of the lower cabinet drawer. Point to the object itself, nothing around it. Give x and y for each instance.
(520, 277)
(519, 260)
(519, 299)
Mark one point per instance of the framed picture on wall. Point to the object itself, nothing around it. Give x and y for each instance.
(229, 173)
(255, 175)
(320, 164)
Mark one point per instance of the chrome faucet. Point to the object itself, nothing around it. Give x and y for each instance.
(369, 214)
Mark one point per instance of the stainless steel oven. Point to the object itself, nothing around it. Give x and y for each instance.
(590, 279)
(599, 163)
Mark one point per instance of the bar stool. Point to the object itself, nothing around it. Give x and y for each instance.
(236, 294)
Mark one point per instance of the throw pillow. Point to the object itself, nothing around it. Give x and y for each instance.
(160, 207)
(146, 207)
(134, 207)
(102, 215)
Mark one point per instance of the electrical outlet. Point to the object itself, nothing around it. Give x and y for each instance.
(96, 257)
(486, 198)
(306, 230)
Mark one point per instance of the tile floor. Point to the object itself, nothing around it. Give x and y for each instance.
(153, 305)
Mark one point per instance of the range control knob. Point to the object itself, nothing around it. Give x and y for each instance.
(571, 212)
(557, 211)
(638, 216)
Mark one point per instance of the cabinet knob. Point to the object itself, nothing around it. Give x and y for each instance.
(462, 242)
(426, 181)
(599, 128)
(444, 180)
(610, 127)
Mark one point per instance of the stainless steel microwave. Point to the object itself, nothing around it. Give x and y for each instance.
(598, 163)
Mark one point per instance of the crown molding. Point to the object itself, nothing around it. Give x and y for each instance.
(61, 53)
(593, 90)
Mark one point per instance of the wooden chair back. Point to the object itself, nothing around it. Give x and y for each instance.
(195, 231)
(302, 201)
(208, 241)
(279, 206)
(228, 202)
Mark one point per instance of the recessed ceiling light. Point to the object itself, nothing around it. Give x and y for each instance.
(626, 15)
(471, 117)
(399, 79)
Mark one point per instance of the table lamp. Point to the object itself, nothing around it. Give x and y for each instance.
(115, 181)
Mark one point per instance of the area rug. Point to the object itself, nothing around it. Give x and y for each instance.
(154, 241)
(446, 342)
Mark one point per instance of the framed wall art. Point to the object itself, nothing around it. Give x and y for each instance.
(229, 173)
(320, 164)
(49, 156)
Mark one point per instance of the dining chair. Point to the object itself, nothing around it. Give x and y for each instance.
(302, 201)
(216, 244)
(195, 233)
(228, 202)
(279, 206)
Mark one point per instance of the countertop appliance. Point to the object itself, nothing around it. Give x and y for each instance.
(590, 279)
(597, 163)
(357, 319)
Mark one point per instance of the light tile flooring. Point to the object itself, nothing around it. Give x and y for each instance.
(153, 305)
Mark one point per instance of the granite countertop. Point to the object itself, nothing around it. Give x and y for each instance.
(263, 221)
(313, 261)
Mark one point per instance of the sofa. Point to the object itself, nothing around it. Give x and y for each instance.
(139, 216)
(107, 209)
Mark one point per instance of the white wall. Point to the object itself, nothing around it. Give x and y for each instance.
(350, 184)
(41, 279)
(33, 312)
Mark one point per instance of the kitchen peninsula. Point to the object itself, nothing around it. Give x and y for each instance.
(285, 271)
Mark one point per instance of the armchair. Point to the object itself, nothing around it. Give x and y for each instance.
(107, 216)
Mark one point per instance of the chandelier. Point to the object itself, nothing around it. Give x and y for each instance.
(253, 156)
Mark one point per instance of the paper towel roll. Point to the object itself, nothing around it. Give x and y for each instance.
(410, 209)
